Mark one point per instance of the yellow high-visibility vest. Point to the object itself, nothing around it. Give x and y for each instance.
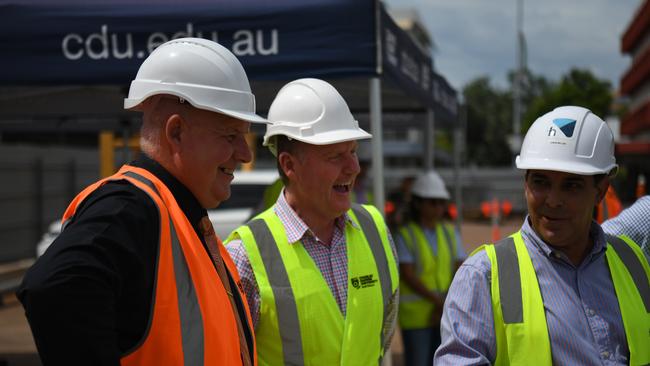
(519, 316)
(300, 322)
(435, 271)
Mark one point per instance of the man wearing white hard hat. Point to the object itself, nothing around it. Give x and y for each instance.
(137, 276)
(429, 250)
(319, 273)
(559, 291)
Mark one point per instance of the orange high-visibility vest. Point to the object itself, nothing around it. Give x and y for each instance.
(192, 321)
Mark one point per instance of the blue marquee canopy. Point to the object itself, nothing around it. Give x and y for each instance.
(98, 42)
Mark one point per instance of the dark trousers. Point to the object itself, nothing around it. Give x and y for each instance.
(420, 345)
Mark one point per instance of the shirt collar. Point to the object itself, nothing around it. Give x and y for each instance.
(295, 227)
(595, 233)
(184, 197)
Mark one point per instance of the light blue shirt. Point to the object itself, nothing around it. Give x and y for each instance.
(582, 312)
(405, 255)
(633, 222)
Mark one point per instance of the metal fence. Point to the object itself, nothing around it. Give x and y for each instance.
(36, 185)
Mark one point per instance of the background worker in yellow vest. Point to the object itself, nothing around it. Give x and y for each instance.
(137, 276)
(559, 291)
(429, 250)
(319, 273)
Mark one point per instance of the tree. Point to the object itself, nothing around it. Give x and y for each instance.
(578, 87)
(489, 114)
(489, 109)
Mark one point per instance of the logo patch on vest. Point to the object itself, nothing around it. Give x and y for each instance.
(363, 281)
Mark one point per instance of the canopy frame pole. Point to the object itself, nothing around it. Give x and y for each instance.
(459, 150)
(429, 148)
(377, 141)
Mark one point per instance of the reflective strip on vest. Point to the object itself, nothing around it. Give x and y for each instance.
(374, 240)
(188, 304)
(284, 299)
(634, 266)
(510, 285)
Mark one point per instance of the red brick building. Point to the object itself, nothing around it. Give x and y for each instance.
(633, 152)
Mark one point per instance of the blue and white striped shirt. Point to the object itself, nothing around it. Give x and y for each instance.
(582, 312)
(634, 222)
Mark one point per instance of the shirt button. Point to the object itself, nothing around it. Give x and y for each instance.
(591, 312)
(604, 354)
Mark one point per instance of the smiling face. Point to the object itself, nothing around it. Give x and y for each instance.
(209, 149)
(321, 178)
(561, 206)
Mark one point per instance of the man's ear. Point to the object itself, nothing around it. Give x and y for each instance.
(287, 163)
(602, 188)
(174, 131)
(526, 185)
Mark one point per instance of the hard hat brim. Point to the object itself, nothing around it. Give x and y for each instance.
(135, 105)
(326, 138)
(567, 167)
(246, 116)
(425, 195)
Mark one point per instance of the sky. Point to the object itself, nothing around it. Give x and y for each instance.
(478, 37)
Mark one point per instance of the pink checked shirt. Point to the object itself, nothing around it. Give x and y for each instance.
(331, 259)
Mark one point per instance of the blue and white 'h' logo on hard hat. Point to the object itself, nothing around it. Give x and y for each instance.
(566, 125)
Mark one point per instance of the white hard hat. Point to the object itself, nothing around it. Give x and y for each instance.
(200, 71)
(311, 111)
(569, 139)
(430, 185)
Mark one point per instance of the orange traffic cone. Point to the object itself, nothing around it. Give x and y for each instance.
(452, 211)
